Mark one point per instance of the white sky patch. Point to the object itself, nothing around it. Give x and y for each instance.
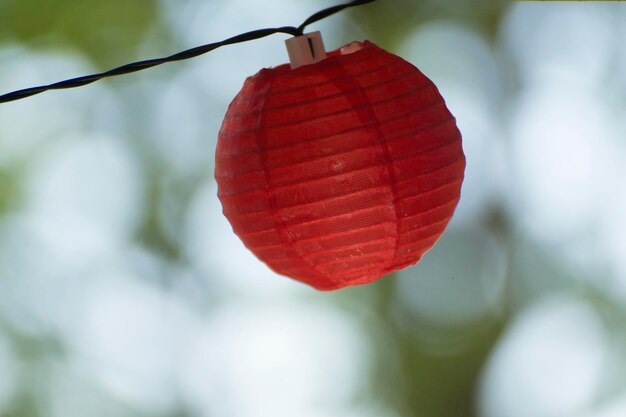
(548, 363)
(614, 407)
(459, 280)
(614, 231)
(28, 124)
(84, 198)
(275, 359)
(129, 338)
(566, 168)
(547, 40)
(80, 208)
(186, 122)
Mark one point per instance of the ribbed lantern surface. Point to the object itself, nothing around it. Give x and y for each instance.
(339, 172)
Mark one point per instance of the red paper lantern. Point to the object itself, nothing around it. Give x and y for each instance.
(342, 171)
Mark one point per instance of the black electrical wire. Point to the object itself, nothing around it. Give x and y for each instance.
(189, 53)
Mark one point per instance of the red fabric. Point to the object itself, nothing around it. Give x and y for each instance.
(339, 172)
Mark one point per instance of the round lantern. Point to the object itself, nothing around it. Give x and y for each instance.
(341, 171)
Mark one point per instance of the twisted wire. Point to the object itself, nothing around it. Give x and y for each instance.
(186, 54)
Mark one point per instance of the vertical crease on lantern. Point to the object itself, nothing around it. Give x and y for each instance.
(362, 107)
(279, 223)
(392, 175)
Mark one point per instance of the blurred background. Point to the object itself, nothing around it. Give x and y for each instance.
(123, 291)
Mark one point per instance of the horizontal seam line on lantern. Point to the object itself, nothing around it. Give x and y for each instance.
(330, 96)
(369, 188)
(432, 190)
(335, 249)
(350, 109)
(420, 242)
(306, 239)
(336, 113)
(419, 213)
(436, 223)
(341, 283)
(392, 138)
(365, 190)
(348, 247)
(353, 171)
(345, 152)
(337, 261)
(352, 194)
(368, 72)
(356, 268)
(355, 128)
(346, 214)
(326, 178)
(360, 258)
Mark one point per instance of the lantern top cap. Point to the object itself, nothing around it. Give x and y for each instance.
(309, 49)
(349, 52)
(306, 49)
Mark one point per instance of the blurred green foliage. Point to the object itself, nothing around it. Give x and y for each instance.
(104, 31)
(10, 190)
(391, 20)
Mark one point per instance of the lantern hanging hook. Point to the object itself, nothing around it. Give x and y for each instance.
(189, 53)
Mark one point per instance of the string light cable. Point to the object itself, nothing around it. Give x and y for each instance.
(187, 54)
